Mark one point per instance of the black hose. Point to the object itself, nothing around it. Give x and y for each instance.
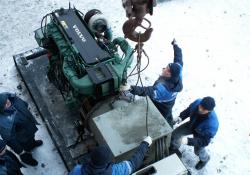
(45, 24)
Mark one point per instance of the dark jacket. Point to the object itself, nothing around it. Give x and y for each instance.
(17, 124)
(9, 164)
(203, 131)
(164, 91)
(122, 168)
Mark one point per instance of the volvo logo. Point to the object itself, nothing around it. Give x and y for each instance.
(79, 33)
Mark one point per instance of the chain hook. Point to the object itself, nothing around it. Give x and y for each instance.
(130, 26)
(135, 11)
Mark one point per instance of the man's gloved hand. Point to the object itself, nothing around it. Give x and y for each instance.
(127, 95)
(148, 139)
(177, 120)
(124, 88)
(184, 140)
(174, 42)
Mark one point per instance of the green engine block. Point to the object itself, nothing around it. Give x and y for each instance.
(82, 63)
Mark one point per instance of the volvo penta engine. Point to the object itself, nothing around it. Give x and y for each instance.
(84, 62)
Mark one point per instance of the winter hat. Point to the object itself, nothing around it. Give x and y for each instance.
(175, 70)
(3, 99)
(101, 156)
(2, 145)
(208, 103)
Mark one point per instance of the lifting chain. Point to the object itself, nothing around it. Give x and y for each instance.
(135, 11)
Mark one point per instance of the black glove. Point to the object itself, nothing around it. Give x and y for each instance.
(27, 158)
(174, 42)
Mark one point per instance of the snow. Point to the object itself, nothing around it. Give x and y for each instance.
(214, 36)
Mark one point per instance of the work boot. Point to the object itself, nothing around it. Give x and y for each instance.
(201, 164)
(38, 143)
(28, 159)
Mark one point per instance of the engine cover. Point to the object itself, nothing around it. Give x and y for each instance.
(77, 33)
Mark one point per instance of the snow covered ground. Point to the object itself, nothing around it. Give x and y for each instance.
(214, 36)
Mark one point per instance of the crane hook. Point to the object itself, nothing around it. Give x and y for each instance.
(130, 26)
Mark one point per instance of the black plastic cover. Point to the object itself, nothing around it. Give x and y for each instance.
(78, 34)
